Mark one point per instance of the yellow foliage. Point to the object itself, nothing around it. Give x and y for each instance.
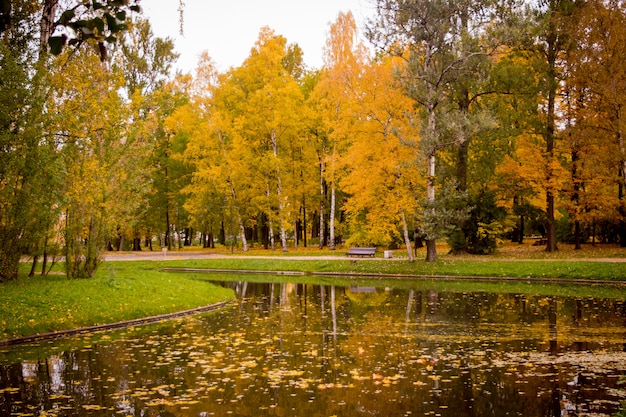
(381, 165)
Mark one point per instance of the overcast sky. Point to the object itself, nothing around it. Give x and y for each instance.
(228, 29)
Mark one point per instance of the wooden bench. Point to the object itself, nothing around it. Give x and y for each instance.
(361, 252)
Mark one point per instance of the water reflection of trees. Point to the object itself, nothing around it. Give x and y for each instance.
(421, 350)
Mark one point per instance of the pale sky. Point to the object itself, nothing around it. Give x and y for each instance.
(228, 29)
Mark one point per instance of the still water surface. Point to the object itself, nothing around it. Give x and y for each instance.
(312, 350)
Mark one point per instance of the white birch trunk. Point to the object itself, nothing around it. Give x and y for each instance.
(279, 193)
(331, 226)
(322, 204)
(431, 243)
(407, 239)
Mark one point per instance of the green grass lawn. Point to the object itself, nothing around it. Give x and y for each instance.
(124, 290)
(119, 291)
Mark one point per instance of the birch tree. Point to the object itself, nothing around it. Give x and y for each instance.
(269, 122)
(344, 58)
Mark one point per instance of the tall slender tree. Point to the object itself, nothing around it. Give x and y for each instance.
(554, 41)
(344, 58)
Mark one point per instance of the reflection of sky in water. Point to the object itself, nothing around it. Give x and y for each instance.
(321, 351)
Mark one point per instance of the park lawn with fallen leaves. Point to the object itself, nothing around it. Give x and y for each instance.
(125, 290)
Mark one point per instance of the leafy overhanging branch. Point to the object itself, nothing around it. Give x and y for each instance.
(97, 21)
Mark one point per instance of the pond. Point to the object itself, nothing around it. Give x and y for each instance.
(304, 349)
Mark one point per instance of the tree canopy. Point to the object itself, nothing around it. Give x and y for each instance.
(468, 121)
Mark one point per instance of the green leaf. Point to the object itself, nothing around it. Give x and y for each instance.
(66, 17)
(98, 24)
(81, 24)
(121, 15)
(57, 43)
(111, 22)
(120, 27)
(97, 5)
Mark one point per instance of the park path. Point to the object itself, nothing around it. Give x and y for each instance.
(175, 255)
(181, 255)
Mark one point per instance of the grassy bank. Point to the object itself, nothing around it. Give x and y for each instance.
(594, 270)
(119, 291)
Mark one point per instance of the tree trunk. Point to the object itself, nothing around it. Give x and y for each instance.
(242, 228)
(462, 146)
(577, 235)
(407, 239)
(279, 192)
(622, 175)
(551, 223)
(34, 266)
(168, 240)
(44, 260)
(331, 221)
(552, 46)
(576, 196)
(431, 243)
(322, 231)
(242, 233)
(46, 25)
(270, 223)
(304, 220)
(283, 232)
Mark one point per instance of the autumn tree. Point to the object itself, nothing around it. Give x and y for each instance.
(264, 99)
(168, 175)
(220, 189)
(94, 151)
(344, 58)
(553, 42)
(593, 97)
(31, 171)
(382, 163)
(145, 59)
(28, 161)
(146, 62)
(206, 190)
(435, 39)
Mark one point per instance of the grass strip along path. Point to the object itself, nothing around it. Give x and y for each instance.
(134, 289)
